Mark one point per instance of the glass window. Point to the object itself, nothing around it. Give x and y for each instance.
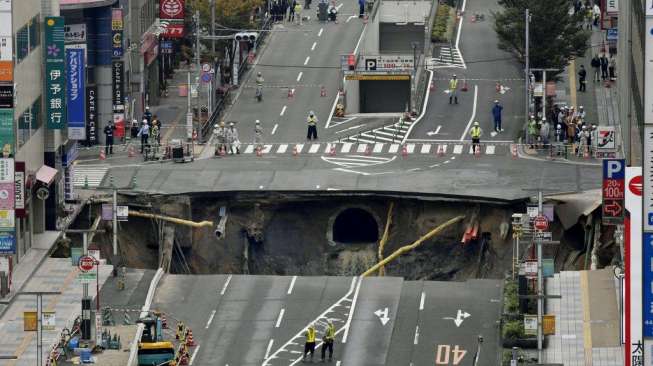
(22, 43)
(34, 33)
(29, 122)
(36, 114)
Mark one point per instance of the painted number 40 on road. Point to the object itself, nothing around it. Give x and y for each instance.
(448, 355)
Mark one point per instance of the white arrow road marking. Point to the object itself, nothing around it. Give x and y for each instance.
(431, 133)
(469, 124)
(383, 316)
(460, 317)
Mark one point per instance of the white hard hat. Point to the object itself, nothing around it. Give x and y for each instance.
(581, 107)
(311, 113)
(496, 101)
(476, 123)
(454, 75)
(258, 122)
(231, 123)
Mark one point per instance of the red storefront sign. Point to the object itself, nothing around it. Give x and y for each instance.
(173, 31)
(171, 9)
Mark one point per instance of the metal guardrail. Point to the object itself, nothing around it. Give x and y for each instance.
(266, 24)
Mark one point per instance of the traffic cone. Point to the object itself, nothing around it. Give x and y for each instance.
(404, 152)
(291, 93)
(332, 151)
(323, 92)
(465, 86)
(294, 151)
(432, 86)
(190, 342)
(194, 135)
(440, 150)
(586, 153)
(102, 155)
(164, 321)
(477, 150)
(368, 150)
(513, 151)
(259, 153)
(497, 87)
(132, 151)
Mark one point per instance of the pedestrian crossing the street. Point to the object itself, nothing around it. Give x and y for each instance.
(449, 57)
(93, 174)
(393, 133)
(366, 154)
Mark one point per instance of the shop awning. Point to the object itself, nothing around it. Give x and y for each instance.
(46, 174)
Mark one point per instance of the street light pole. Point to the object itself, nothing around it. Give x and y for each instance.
(527, 72)
(213, 26)
(477, 356)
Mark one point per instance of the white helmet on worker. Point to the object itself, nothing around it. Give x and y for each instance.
(476, 124)
(258, 122)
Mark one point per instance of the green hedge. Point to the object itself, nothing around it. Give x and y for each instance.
(443, 24)
(513, 329)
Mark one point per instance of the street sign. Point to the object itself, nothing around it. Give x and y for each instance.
(612, 34)
(647, 174)
(206, 77)
(122, 213)
(614, 172)
(48, 320)
(543, 236)
(206, 67)
(86, 263)
(530, 324)
(632, 282)
(647, 279)
(107, 211)
(29, 321)
(541, 223)
(528, 268)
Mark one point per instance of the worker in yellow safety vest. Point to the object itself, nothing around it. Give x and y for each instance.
(309, 346)
(476, 133)
(453, 89)
(329, 337)
(311, 121)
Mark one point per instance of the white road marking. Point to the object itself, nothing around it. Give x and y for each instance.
(299, 148)
(307, 59)
(410, 148)
(267, 351)
(226, 284)
(489, 150)
(292, 284)
(471, 120)
(337, 363)
(314, 148)
(339, 6)
(283, 110)
(313, 46)
(266, 149)
(329, 147)
(274, 129)
(416, 340)
(393, 148)
(346, 147)
(249, 149)
(282, 148)
(299, 76)
(458, 149)
(421, 301)
(192, 358)
(279, 318)
(438, 129)
(378, 147)
(351, 17)
(418, 119)
(350, 128)
(292, 91)
(208, 323)
(351, 310)
(361, 148)
(319, 34)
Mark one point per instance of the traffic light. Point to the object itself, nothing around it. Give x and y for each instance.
(245, 36)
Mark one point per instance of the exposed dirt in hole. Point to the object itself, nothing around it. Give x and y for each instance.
(292, 235)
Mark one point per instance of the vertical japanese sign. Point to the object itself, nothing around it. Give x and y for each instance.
(6, 34)
(118, 78)
(116, 33)
(7, 216)
(91, 115)
(7, 137)
(75, 90)
(19, 189)
(614, 171)
(633, 267)
(55, 85)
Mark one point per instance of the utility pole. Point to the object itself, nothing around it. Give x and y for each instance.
(527, 71)
(199, 70)
(115, 222)
(544, 71)
(213, 26)
(540, 285)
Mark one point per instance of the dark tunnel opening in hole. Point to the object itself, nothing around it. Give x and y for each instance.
(355, 226)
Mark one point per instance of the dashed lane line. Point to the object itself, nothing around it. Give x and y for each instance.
(292, 284)
(279, 318)
(208, 323)
(274, 129)
(421, 301)
(308, 58)
(226, 284)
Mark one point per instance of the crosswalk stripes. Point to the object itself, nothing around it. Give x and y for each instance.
(93, 174)
(389, 134)
(368, 149)
(357, 161)
(449, 57)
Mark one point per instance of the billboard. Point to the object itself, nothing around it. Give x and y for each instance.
(633, 265)
(7, 132)
(6, 34)
(118, 84)
(171, 9)
(613, 191)
(55, 85)
(19, 189)
(117, 27)
(76, 91)
(75, 33)
(91, 115)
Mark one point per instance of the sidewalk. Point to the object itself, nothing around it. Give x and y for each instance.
(587, 319)
(55, 274)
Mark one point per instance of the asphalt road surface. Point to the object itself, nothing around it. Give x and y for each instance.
(302, 58)
(260, 320)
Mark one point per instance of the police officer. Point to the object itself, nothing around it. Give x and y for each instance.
(453, 89)
(309, 346)
(258, 133)
(312, 126)
(476, 133)
(329, 337)
(108, 134)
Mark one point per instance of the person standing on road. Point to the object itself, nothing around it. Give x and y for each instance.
(612, 66)
(596, 67)
(582, 79)
(233, 143)
(496, 113)
(545, 131)
(148, 115)
(476, 133)
(361, 8)
(134, 128)
(144, 134)
(329, 337)
(219, 137)
(155, 132)
(309, 346)
(298, 13)
(291, 12)
(258, 134)
(604, 67)
(108, 138)
(157, 122)
(312, 126)
(453, 89)
(532, 130)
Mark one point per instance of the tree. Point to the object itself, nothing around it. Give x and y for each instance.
(228, 13)
(556, 37)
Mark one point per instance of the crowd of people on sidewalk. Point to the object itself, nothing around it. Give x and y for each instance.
(568, 126)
